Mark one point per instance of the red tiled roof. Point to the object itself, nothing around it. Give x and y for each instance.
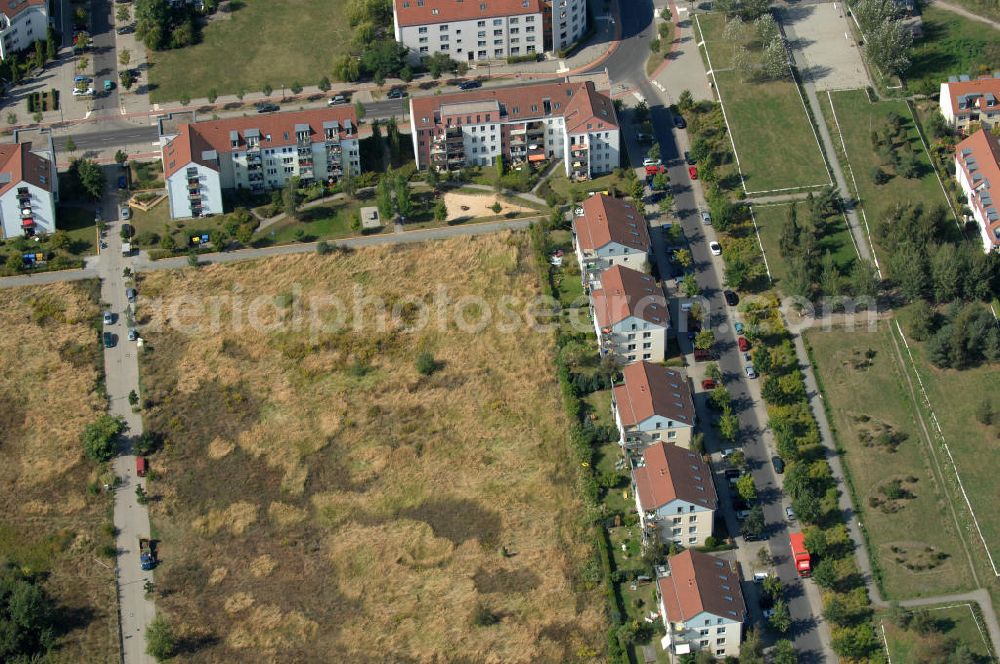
(12, 8)
(700, 583)
(984, 149)
(626, 292)
(426, 12)
(650, 389)
(23, 165)
(979, 87)
(607, 219)
(670, 473)
(525, 102)
(193, 139)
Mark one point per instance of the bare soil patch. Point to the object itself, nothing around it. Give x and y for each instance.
(471, 206)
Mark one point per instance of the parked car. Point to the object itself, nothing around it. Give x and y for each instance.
(109, 318)
(706, 218)
(127, 230)
(131, 294)
(132, 334)
(122, 182)
(644, 138)
(778, 463)
(397, 93)
(693, 172)
(743, 344)
(679, 122)
(651, 162)
(701, 355)
(738, 325)
(715, 248)
(265, 107)
(126, 212)
(337, 100)
(125, 30)
(470, 85)
(708, 384)
(109, 85)
(750, 371)
(688, 159)
(81, 79)
(732, 299)
(109, 340)
(81, 92)
(790, 513)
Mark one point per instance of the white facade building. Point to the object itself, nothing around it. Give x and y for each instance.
(701, 605)
(610, 231)
(674, 495)
(630, 316)
(29, 189)
(977, 169)
(257, 153)
(526, 125)
(653, 404)
(22, 23)
(483, 30)
(965, 100)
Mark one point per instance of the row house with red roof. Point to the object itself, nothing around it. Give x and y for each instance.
(257, 153)
(526, 125)
(22, 23)
(29, 188)
(484, 30)
(977, 169)
(609, 231)
(965, 100)
(674, 495)
(653, 404)
(630, 316)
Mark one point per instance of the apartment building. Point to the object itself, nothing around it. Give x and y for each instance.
(701, 605)
(964, 100)
(630, 315)
(610, 231)
(526, 125)
(483, 30)
(257, 153)
(29, 188)
(22, 23)
(977, 169)
(653, 404)
(674, 495)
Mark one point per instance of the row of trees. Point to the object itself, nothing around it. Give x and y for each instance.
(892, 144)
(887, 39)
(772, 63)
(162, 25)
(15, 65)
(965, 336)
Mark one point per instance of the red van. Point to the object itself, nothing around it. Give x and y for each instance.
(140, 466)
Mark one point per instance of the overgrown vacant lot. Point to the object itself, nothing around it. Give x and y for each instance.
(905, 510)
(260, 42)
(321, 495)
(775, 143)
(50, 525)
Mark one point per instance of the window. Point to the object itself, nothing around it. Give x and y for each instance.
(720, 642)
(444, 38)
(514, 50)
(647, 345)
(703, 643)
(482, 44)
(423, 40)
(481, 24)
(692, 540)
(720, 651)
(646, 335)
(514, 31)
(631, 336)
(424, 49)
(631, 358)
(498, 21)
(514, 20)
(497, 33)
(422, 31)
(443, 28)
(482, 33)
(529, 19)
(647, 356)
(677, 519)
(434, 11)
(703, 632)
(692, 518)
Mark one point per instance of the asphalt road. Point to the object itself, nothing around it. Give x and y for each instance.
(387, 108)
(105, 57)
(110, 138)
(121, 366)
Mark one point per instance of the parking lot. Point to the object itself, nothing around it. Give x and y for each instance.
(822, 45)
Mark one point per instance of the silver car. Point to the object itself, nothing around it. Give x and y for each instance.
(751, 372)
(706, 218)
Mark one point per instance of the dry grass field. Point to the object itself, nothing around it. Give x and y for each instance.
(49, 523)
(319, 499)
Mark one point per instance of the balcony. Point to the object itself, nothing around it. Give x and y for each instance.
(520, 131)
(193, 181)
(194, 194)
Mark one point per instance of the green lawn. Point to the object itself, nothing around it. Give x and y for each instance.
(146, 174)
(562, 185)
(263, 42)
(323, 222)
(954, 396)
(852, 118)
(863, 401)
(79, 225)
(951, 45)
(773, 138)
(955, 621)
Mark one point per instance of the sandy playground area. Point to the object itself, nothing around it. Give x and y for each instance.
(470, 206)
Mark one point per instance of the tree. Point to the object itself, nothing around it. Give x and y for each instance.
(808, 508)
(887, 46)
(121, 157)
(946, 272)
(291, 199)
(825, 574)
(908, 266)
(704, 340)
(830, 280)
(383, 198)
(685, 102)
(781, 619)
(654, 151)
(123, 14)
(98, 437)
(124, 57)
(660, 181)
(683, 257)
(160, 640)
(348, 183)
(985, 413)
(440, 210)
(690, 286)
(70, 144)
(856, 643)
(753, 9)
(127, 80)
(720, 397)
(296, 88)
(784, 653)
(324, 84)
(89, 176)
(774, 60)
(383, 58)
(404, 201)
(752, 650)
(346, 68)
(266, 89)
(729, 425)
(133, 398)
(212, 95)
(766, 29)
(863, 279)
(636, 189)
(735, 30)
(743, 63)
(746, 488)
(185, 99)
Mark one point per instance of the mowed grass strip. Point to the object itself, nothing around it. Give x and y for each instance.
(772, 134)
(955, 621)
(320, 494)
(853, 118)
(914, 535)
(263, 42)
(954, 397)
(49, 523)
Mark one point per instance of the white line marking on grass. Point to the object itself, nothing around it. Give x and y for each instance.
(805, 110)
(772, 191)
(762, 252)
(885, 641)
(975, 619)
(944, 444)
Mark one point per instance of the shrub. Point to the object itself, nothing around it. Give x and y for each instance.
(426, 364)
(323, 248)
(160, 640)
(98, 437)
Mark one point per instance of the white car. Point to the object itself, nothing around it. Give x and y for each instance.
(706, 218)
(651, 162)
(751, 372)
(715, 248)
(77, 92)
(790, 514)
